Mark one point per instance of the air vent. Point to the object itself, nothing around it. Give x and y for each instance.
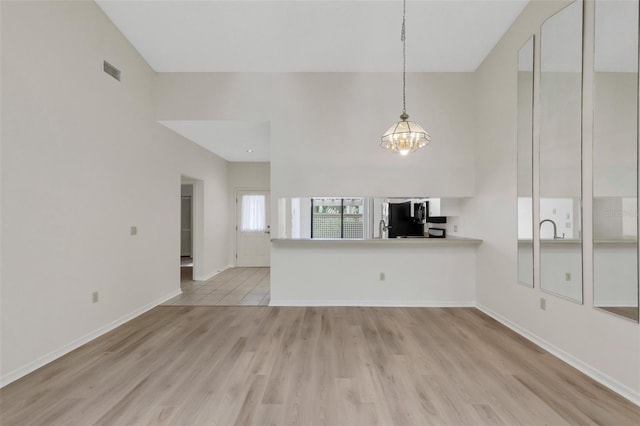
(111, 70)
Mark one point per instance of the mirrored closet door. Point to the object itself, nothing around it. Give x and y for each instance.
(615, 158)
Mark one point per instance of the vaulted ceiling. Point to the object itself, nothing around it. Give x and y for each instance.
(303, 36)
(313, 36)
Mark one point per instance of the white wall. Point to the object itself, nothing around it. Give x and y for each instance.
(242, 177)
(604, 345)
(83, 159)
(326, 127)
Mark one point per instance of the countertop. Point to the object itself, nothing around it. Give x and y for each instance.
(577, 241)
(379, 241)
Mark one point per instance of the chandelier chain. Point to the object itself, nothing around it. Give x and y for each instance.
(404, 57)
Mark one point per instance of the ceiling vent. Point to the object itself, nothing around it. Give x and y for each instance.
(111, 70)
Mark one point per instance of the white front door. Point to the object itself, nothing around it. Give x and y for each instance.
(253, 228)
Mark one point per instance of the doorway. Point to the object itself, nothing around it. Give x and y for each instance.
(253, 228)
(191, 229)
(186, 231)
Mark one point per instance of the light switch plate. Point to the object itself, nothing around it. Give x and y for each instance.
(133, 230)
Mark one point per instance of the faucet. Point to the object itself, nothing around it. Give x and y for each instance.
(555, 229)
(382, 228)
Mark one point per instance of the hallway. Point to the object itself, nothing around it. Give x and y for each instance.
(232, 287)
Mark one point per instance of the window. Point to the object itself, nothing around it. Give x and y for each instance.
(253, 213)
(337, 218)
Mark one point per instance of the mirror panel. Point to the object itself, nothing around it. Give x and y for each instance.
(561, 153)
(525, 163)
(615, 158)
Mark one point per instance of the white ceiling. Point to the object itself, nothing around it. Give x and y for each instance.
(303, 36)
(312, 36)
(229, 139)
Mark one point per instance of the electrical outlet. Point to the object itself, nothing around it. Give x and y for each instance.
(455, 228)
(567, 276)
(133, 230)
(382, 276)
(95, 297)
(543, 304)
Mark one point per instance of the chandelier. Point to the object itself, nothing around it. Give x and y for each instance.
(404, 137)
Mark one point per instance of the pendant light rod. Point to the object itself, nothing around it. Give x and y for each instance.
(404, 60)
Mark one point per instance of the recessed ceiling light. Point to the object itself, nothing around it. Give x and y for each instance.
(249, 150)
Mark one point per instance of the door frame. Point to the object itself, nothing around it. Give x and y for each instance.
(197, 225)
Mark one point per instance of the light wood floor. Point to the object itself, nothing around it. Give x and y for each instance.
(311, 366)
(627, 311)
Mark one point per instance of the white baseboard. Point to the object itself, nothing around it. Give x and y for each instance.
(211, 275)
(594, 373)
(52, 356)
(374, 303)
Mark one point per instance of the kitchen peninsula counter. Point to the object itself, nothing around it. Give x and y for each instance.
(378, 241)
(434, 272)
